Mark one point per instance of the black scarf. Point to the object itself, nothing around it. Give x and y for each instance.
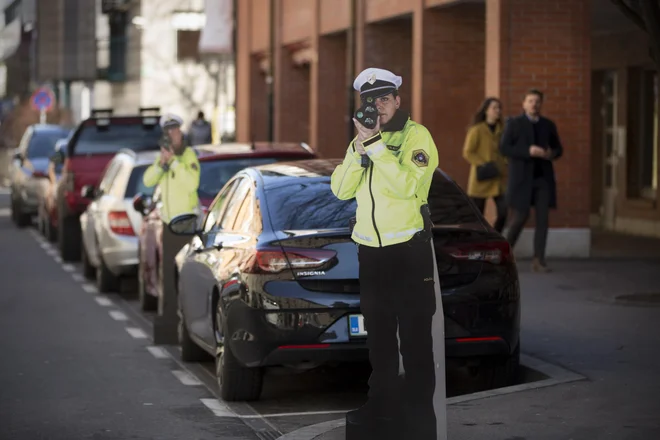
(397, 122)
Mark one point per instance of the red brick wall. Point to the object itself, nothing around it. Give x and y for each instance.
(258, 102)
(453, 79)
(549, 48)
(333, 91)
(389, 46)
(294, 100)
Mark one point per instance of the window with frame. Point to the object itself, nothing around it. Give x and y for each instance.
(213, 217)
(234, 205)
(245, 221)
(109, 176)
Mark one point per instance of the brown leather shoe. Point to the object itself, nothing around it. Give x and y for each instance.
(539, 267)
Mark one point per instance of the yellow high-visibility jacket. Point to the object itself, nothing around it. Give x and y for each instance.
(392, 190)
(179, 181)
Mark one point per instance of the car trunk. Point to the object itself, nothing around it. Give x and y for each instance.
(458, 263)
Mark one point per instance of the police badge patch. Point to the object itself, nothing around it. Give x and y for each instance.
(420, 158)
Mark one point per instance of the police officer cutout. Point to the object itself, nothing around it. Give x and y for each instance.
(176, 170)
(397, 264)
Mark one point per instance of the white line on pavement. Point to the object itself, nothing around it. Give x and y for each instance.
(58, 259)
(69, 267)
(89, 288)
(52, 252)
(103, 301)
(220, 409)
(294, 414)
(45, 245)
(186, 378)
(117, 315)
(137, 333)
(78, 277)
(158, 352)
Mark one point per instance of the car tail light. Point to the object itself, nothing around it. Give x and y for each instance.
(495, 252)
(39, 174)
(276, 260)
(119, 223)
(205, 209)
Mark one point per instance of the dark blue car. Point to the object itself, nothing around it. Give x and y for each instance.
(271, 278)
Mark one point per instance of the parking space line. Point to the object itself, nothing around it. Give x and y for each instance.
(296, 414)
(89, 288)
(103, 301)
(58, 259)
(45, 245)
(52, 252)
(186, 378)
(158, 352)
(137, 333)
(78, 277)
(220, 409)
(117, 315)
(69, 267)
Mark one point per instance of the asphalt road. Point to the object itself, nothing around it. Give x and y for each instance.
(74, 366)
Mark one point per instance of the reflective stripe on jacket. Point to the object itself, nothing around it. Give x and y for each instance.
(179, 182)
(391, 191)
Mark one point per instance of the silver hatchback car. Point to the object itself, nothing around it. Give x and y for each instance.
(110, 225)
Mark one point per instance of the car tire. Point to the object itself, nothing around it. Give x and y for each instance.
(88, 270)
(148, 302)
(106, 281)
(236, 382)
(190, 352)
(69, 238)
(502, 371)
(21, 220)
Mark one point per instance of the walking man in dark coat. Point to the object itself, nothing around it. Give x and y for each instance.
(531, 143)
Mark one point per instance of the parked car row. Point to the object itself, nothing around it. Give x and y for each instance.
(269, 276)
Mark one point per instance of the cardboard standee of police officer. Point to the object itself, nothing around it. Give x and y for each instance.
(176, 170)
(388, 170)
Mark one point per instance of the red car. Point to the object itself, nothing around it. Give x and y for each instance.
(218, 163)
(92, 146)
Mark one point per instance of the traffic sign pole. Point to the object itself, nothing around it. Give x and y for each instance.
(42, 116)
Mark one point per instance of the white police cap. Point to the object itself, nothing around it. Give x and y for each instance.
(170, 120)
(376, 82)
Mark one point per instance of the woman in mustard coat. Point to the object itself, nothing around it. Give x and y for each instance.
(488, 168)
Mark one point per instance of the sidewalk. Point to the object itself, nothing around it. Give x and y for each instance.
(572, 318)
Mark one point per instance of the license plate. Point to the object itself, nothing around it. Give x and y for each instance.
(356, 325)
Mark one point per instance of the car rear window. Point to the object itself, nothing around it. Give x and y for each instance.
(214, 174)
(308, 204)
(42, 143)
(449, 205)
(135, 183)
(112, 138)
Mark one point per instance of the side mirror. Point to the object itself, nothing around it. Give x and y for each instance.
(88, 192)
(57, 158)
(185, 224)
(142, 203)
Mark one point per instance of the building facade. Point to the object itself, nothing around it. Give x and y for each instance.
(591, 63)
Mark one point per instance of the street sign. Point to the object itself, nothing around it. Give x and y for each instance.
(43, 99)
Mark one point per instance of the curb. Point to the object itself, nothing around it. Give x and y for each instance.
(556, 375)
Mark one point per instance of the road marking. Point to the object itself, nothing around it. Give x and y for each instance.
(89, 288)
(69, 267)
(295, 414)
(220, 409)
(45, 245)
(186, 378)
(58, 259)
(52, 252)
(137, 333)
(5, 212)
(103, 301)
(158, 352)
(117, 315)
(78, 277)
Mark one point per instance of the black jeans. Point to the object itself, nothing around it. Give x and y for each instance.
(500, 205)
(541, 202)
(397, 293)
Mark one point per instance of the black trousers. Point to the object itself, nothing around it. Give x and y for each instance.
(500, 205)
(165, 324)
(397, 293)
(541, 202)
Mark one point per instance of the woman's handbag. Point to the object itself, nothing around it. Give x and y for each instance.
(487, 171)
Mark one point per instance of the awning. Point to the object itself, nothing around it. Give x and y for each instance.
(10, 39)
